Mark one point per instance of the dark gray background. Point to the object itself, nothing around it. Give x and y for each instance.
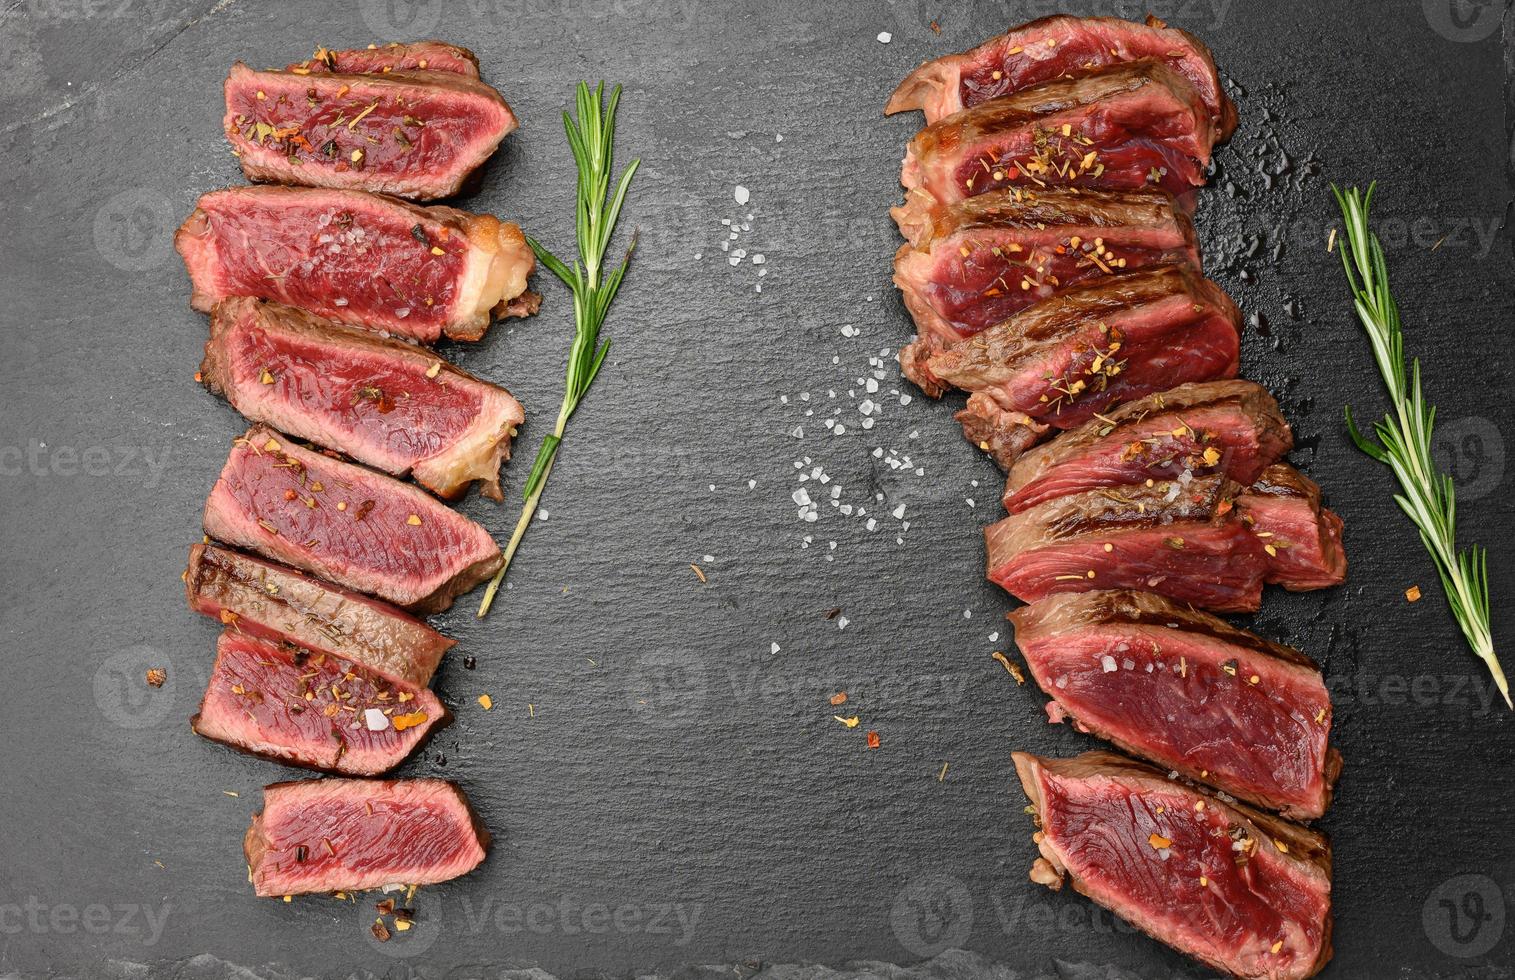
(675, 761)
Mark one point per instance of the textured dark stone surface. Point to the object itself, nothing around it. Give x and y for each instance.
(671, 762)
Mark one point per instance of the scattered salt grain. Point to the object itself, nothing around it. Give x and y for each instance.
(1107, 662)
(741, 194)
(884, 37)
(375, 720)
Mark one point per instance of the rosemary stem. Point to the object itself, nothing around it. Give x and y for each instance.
(528, 511)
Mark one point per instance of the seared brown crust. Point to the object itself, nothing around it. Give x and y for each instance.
(1003, 434)
(1074, 610)
(992, 354)
(922, 220)
(933, 87)
(1252, 399)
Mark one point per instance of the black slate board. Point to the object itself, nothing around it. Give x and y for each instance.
(672, 761)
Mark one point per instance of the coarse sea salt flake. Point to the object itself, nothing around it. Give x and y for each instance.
(741, 194)
(884, 37)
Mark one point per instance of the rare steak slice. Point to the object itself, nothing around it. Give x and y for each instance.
(1187, 691)
(416, 134)
(1059, 363)
(275, 603)
(1247, 893)
(1053, 47)
(364, 259)
(392, 405)
(1231, 427)
(1182, 539)
(312, 709)
(1301, 538)
(1136, 126)
(415, 56)
(350, 525)
(327, 835)
(980, 261)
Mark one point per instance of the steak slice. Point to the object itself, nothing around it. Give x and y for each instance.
(980, 261)
(1181, 539)
(417, 55)
(392, 405)
(281, 605)
(1053, 47)
(1060, 362)
(1188, 691)
(1244, 892)
(1301, 538)
(1136, 126)
(355, 527)
(372, 261)
(417, 134)
(326, 835)
(311, 709)
(1231, 427)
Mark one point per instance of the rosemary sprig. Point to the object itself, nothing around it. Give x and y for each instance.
(592, 139)
(1404, 436)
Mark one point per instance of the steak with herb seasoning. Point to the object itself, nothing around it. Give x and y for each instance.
(415, 56)
(1301, 539)
(416, 134)
(980, 261)
(1053, 47)
(1231, 427)
(1182, 539)
(347, 524)
(312, 709)
(1058, 363)
(279, 604)
(1247, 893)
(363, 259)
(1136, 126)
(327, 835)
(1188, 691)
(392, 405)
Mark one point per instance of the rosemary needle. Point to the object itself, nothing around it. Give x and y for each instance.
(592, 139)
(1404, 436)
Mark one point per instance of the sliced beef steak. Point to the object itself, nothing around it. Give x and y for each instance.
(1231, 427)
(1244, 892)
(364, 259)
(1301, 538)
(1187, 691)
(417, 134)
(355, 527)
(275, 603)
(415, 56)
(1181, 539)
(312, 709)
(1053, 47)
(982, 260)
(326, 835)
(392, 405)
(1058, 363)
(1130, 127)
